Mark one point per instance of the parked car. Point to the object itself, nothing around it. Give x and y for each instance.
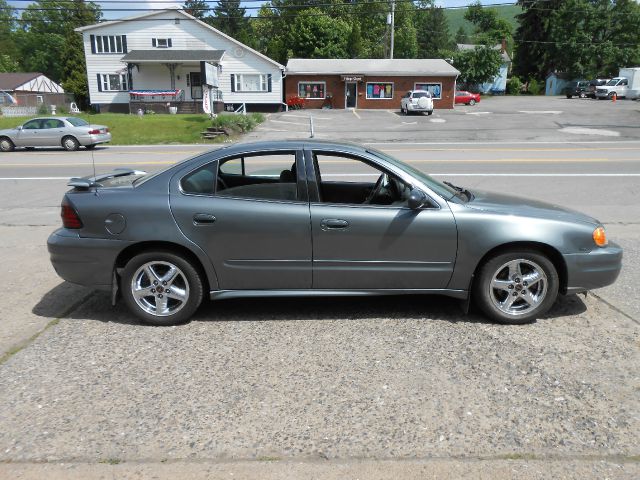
(577, 89)
(617, 86)
(417, 101)
(66, 132)
(594, 84)
(270, 219)
(468, 98)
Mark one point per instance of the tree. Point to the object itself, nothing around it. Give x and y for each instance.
(432, 33)
(7, 28)
(354, 43)
(318, 36)
(8, 64)
(477, 66)
(196, 8)
(490, 28)
(405, 41)
(461, 35)
(229, 17)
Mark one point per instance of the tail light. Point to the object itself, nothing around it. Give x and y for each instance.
(94, 132)
(70, 218)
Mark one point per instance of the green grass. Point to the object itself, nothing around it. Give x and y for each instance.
(159, 129)
(456, 18)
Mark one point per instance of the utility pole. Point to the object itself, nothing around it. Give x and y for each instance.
(393, 22)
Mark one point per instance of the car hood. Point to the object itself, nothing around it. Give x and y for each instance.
(512, 205)
(8, 131)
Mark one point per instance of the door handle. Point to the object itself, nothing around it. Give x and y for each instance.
(333, 224)
(203, 219)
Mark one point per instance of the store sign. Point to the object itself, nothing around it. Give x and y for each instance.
(351, 78)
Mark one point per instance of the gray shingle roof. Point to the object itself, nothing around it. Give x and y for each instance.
(11, 81)
(472, 46)
(372, 66)
(171, 55)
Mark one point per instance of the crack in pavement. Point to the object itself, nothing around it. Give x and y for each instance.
(613, 307)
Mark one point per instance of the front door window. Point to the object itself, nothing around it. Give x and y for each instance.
(196, 86)
(351, 95)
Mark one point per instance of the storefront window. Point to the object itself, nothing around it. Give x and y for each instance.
(379, 90)
(434, 88)
(312, 89)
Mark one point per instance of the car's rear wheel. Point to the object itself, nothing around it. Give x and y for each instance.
(6, 145)
(472, 102)
(70, 143)
(582, 95)
(569, 96)
(516, 287)
(161, 288)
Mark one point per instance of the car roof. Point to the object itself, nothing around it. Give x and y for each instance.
(292, 144)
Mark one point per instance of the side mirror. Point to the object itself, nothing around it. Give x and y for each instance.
(417, 198)
(19, 128)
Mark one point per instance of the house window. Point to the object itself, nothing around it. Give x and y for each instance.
(109, 43)
(251, 83)
(379, 90)
(114, 83)
(434, 88)
(313, 90)
(39, 99)
(161, 42)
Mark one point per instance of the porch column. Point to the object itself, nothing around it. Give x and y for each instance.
(130, 75)
(172, 72)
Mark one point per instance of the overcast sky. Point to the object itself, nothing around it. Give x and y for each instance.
(152, 5)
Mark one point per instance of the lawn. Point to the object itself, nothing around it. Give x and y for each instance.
(456, 18)
(158, 129)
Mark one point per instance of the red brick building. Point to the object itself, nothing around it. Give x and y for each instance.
(368, 83)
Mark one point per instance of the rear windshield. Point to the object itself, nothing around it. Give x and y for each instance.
(420, 94)
(77, 122)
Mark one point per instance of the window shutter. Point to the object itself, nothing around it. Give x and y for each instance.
(169, 43)
(99, 83)
(124, 44)
(233, 82)
(269, 83)
(188, 79)
(153, 42)
(92, 39)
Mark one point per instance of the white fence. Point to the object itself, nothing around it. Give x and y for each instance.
(18, 111)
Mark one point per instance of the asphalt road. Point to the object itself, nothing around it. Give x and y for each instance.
(306, 381)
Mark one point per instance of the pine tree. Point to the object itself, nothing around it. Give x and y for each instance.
(432, 33)
(354, 43)
(229, 17)
(196, 8)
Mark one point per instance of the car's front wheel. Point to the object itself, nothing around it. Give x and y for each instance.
(516, 287)
(582, 95)
(6, 145)
(161, 288)
(70, 143)
(472, 102)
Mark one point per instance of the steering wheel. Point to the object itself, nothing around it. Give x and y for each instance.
(221, 183)
(376, 188)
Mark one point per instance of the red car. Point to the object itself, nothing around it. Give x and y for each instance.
(467, 98)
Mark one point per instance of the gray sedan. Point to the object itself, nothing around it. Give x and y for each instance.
(309, 218)
(67, 132)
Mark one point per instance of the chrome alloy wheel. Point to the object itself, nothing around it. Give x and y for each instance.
(160, 288)
(518, 287)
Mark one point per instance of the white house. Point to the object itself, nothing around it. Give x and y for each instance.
(156, 60)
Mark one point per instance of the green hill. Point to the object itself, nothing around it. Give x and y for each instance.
(456, 18)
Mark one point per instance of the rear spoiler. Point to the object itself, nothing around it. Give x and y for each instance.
(88, 182)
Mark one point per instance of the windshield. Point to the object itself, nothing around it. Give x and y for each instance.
(441, 189)
(613, 82)
(77, 122)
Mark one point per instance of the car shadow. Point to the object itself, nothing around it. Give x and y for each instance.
(74, 302)
(59, 149)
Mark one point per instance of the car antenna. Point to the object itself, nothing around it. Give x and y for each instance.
(311, 126)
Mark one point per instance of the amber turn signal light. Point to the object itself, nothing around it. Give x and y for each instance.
(600, 237)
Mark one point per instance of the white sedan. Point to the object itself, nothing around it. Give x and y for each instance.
(67, 132)
(417, 101)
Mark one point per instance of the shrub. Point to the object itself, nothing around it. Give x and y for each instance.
(295, 103)
(514, 85)
(43, 109)
(535, 87)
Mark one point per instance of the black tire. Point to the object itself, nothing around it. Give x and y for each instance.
(90, 147)
(70, 144)
(583, 95)
(404, 111)
(569, 96)
(472, 102)
(6, 145)
(520, 311)
(430, 113)
(187, 282)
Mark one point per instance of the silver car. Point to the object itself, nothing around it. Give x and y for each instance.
(67, 132)
(287, 219)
